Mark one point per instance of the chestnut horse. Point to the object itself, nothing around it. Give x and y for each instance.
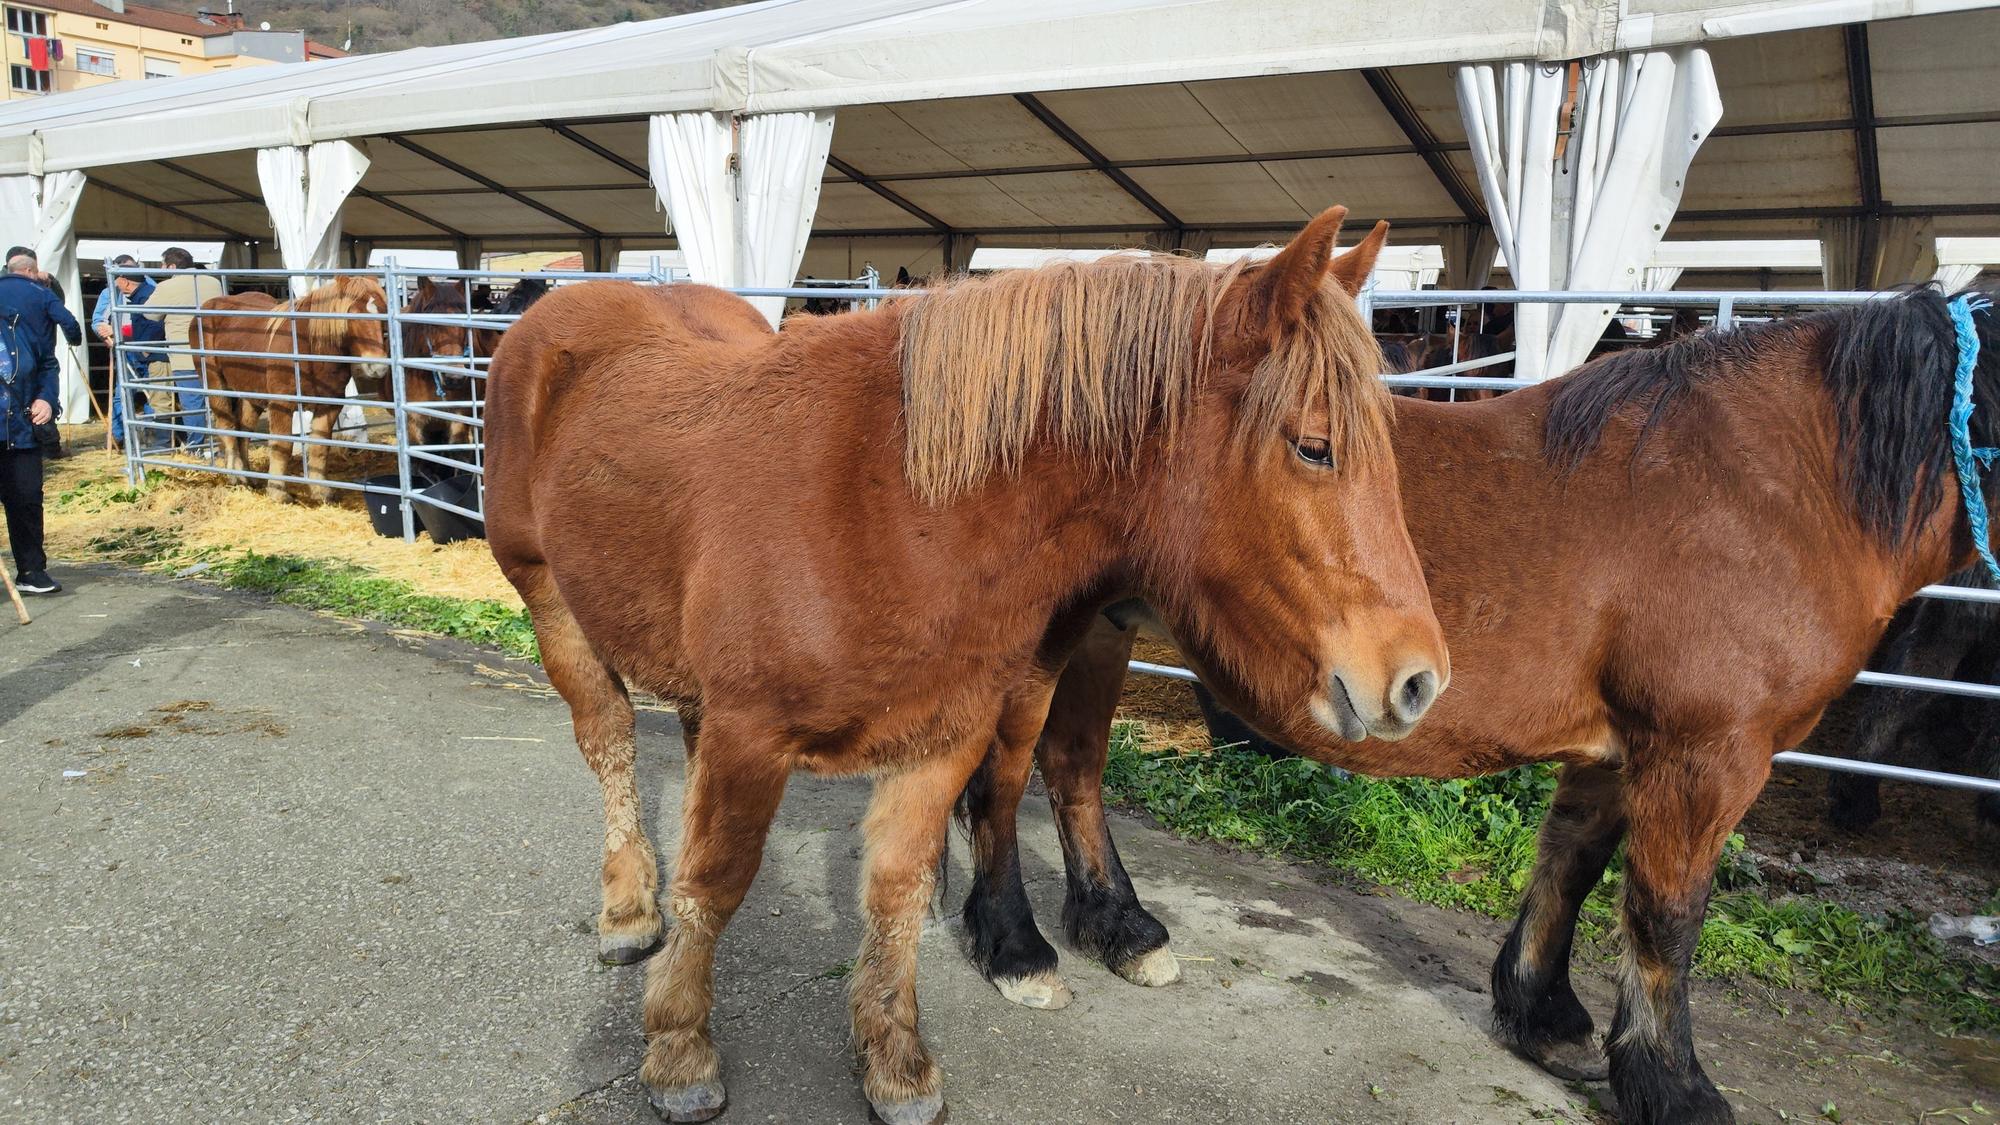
(1657, 570)
(864, 544)
(280, 331)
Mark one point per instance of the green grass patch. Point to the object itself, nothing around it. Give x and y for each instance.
(1470, 844)
(352, 591)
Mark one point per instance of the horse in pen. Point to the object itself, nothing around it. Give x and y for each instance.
(259, 379)
(866, 544)
(1657, 570)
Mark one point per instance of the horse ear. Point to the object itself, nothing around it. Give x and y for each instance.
(1351, 269)
(1287, 282)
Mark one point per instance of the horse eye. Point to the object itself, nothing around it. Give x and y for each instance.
(1316, 450)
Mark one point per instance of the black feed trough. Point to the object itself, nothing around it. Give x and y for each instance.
(383, 511)
(447, 526)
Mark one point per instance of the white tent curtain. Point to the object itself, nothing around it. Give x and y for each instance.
(45, 208)
(1590, 218)
(1659, 279)
(746, 227)
(1899, 249)
(1957, 276)
(304, 189)
(1468, 254)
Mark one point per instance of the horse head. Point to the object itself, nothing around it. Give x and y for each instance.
(1292, 581)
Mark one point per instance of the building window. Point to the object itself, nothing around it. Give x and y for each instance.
(97, 60)
(28, 79)
(162, 68)
(21, 21)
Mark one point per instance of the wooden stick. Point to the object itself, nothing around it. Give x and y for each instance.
(20, 608)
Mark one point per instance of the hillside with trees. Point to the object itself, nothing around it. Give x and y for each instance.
(388, 25)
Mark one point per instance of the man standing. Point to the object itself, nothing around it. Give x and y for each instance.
(30, 313)
(184, 292)
(136, 330)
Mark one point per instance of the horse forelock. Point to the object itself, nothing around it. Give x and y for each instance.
(1096, 357)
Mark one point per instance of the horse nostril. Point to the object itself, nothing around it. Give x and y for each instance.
(1415, 694)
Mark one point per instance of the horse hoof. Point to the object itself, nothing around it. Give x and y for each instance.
(1152, 969)
(1573, 1062)
(1041, 990)
(927, 1110)
(627, 949)
(703, 1101)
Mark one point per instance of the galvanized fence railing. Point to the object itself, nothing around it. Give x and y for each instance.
(417, 460)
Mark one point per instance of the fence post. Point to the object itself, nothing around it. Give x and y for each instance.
(392, 291)
(135, 473)
(1725, 314)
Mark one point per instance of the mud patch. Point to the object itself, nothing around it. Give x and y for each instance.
(1326, 986)
(175, 718)
(1282, 923)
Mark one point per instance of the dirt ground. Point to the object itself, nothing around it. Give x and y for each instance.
(1926, 854)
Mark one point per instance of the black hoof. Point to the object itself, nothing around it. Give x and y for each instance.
(1572, 1062)
(626, 951)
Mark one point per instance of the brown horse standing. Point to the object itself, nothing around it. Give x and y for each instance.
(1657, 570)
(280, 331)
(863, 545)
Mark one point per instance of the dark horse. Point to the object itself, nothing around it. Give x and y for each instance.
(1658, 571)
(864, 545)
(450, 343)
(1930, 637)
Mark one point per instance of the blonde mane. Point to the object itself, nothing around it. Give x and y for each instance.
(346, 294)
(1098, 356)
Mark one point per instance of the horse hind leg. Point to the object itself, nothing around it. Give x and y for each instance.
(628, 925)
(321, 427)
(1001, 937)
(734, 786)
(1535, 1009)
(279, 416)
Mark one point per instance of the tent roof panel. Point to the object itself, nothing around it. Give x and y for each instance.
(1785, 170)
(522, 158)
(952, 135)
(1205, 194)
(621, 211)
(1793, 77)
(1137, 122)
(1939, 164)
(1938, 65)
(366, 218)
(1042, 199)
(850, 206)
(485, 214)
(391, 167)
(1297, 112)
(1371, 187)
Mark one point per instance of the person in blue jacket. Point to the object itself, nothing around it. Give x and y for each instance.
(136, 330)
(30, 394)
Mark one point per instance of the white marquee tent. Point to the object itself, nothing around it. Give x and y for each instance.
(814, 135)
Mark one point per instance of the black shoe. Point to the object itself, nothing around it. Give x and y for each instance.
(37, 582)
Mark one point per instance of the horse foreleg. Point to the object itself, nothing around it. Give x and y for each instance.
(1102, 915)
(733, 789)
(222, 412)
(1535, 1009)
(1681, 802)
(905, 835)
(321, 426)
(1005, 945)
(279, 416)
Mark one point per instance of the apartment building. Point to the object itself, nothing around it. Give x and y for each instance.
(54, 46)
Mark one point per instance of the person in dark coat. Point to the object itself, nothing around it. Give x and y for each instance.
(30, 395)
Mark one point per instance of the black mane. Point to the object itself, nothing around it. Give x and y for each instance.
(1887, 366)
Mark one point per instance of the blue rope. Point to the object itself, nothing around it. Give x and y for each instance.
(1963, 452)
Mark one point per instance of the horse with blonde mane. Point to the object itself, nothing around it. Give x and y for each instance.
(320, 374)
(866, 544)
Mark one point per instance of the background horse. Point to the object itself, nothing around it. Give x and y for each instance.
(280, 331)
(442, 342)
(1931, 637)
(862, 545)
(1658, 570)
